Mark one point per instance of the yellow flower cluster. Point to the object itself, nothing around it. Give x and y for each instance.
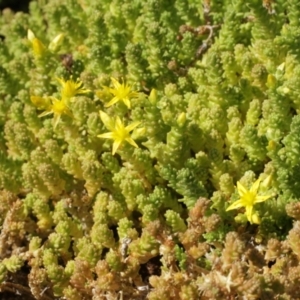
(69, 90)
(118, 132)
(52, 105)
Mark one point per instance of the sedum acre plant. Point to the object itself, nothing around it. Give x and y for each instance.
(150, 150)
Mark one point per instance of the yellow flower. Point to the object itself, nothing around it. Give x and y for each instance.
(119, 133)
(39, 48)
(41, 102)
(71, 88)
(121, 92)
(153, 96)
(58, 108)
(248, 199)
(56, 42)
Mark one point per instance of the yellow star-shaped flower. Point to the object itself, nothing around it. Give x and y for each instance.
(121, 92)
(248, 198)
(119, 133)
(58, 108)
(71, 88)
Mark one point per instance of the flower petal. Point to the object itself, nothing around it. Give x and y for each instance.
(116, 145)
(133, 94)
(38, 47)
(259, 199)
(249, 210)
(40, 102)
(255, 218)
(131, 126)
(132, 142)
(115, 82)
(69, 113)
(235, 205)
(254, 187)
(127, 102)
(112, 101)
(56, 120)
(118, 124)
(56, 42)
(61, 81)
(45, 113)
(241, 189)
(153, 96)
(30, 35)
(107, 121)
(108, 135)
